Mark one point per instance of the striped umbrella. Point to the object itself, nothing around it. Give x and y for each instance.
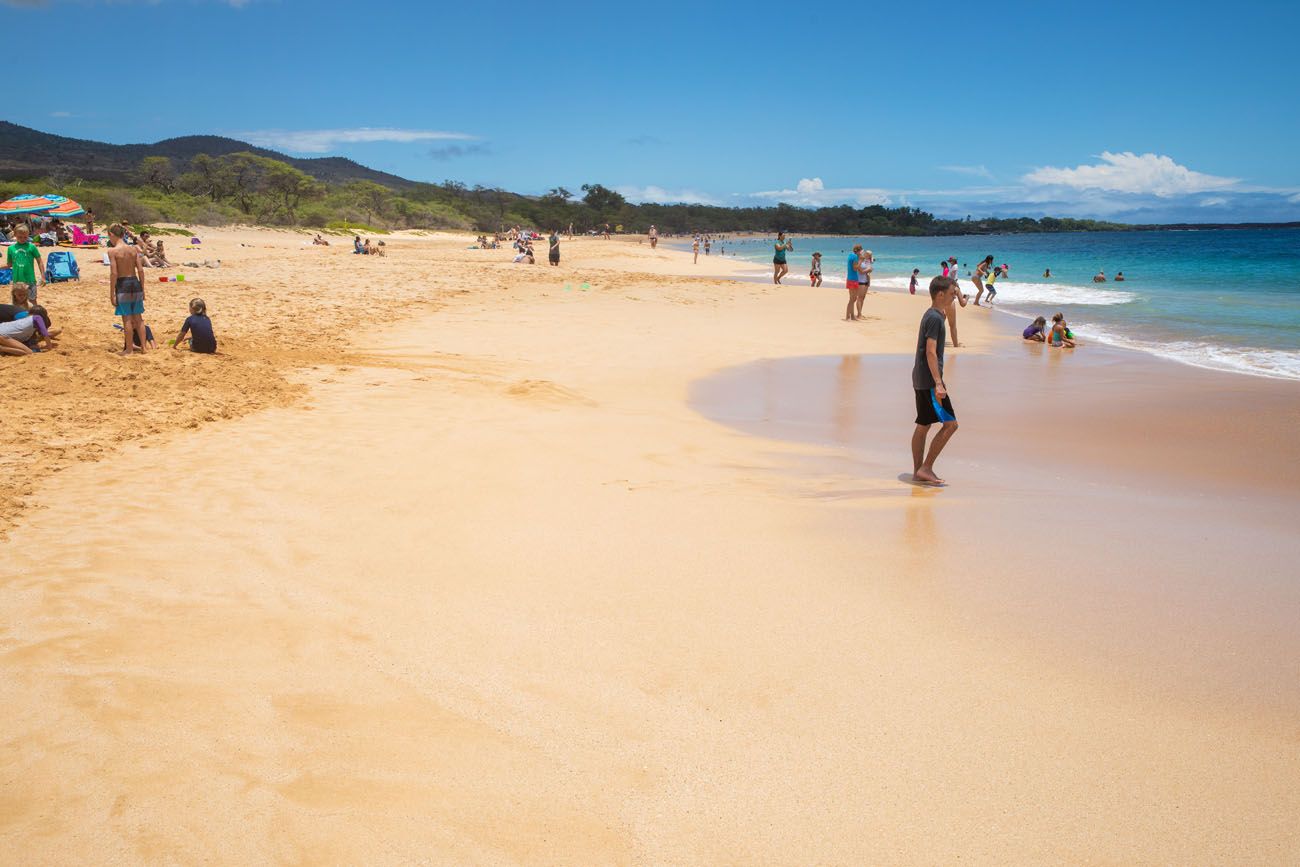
(63, 207)
(27, 205)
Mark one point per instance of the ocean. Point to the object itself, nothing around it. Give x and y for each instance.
(1226, 299)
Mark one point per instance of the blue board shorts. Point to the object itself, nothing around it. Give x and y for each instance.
(130, 297)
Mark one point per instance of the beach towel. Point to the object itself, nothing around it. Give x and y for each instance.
(6, 276)
(60, 266)
(81, 239)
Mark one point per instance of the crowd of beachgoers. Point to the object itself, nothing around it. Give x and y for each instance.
(26, 323)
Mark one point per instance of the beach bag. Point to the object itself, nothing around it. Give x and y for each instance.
(61, 266)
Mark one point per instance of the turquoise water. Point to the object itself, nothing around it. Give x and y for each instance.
(1224, 299)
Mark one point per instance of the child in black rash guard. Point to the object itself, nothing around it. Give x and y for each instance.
(199, 327)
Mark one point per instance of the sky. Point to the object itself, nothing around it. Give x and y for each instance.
(1133, 111)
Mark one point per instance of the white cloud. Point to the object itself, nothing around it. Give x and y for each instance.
(1128, 172)
(974, 171)
(812, 192)
(1212, 202)
(319, 141)
(60, 114)
(661, 196)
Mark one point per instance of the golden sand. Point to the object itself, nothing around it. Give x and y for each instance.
(435, 563)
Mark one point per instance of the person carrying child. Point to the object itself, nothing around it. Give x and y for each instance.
(199, 327)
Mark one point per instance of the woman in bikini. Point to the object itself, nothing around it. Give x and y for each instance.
(981, 272)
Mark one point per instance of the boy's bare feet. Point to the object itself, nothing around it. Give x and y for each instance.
(927, 477)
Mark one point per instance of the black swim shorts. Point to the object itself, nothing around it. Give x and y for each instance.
(931, 410)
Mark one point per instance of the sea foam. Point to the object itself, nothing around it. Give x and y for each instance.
(1272, 363)
(1009, 291)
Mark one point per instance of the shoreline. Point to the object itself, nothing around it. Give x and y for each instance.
(1204, 354)
(497, 591)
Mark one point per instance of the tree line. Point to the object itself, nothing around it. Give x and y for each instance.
(246, 187)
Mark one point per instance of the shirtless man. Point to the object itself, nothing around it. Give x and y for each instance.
(126, 288)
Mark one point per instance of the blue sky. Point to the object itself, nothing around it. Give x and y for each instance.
(1124, 110)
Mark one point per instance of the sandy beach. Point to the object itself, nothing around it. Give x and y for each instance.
(448, 560)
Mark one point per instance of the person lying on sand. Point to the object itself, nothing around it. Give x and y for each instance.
(149, 342)
(320, 242)
(25, 333)
(23, 306)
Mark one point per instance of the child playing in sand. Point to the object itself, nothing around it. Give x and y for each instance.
(1061, 334)
(1035, 330)
(815, 275)
(199, 327)
(23, 334)
(916, 274)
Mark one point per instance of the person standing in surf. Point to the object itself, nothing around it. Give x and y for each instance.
(779, 266)
(981, 273)
(933, 404)
(851, 282)
(866, 263)
(958, 297)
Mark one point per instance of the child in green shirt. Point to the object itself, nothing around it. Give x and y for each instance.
(24, 258)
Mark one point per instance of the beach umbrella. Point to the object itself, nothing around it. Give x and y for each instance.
(27, 205)
(64, 207)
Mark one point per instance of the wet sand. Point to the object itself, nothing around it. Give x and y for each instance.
(493, 591)
(1143, 543)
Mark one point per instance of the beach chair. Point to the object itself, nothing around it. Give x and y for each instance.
(81, 239)
(61, 266)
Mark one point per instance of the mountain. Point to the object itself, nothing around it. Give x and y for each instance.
(26, 153)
